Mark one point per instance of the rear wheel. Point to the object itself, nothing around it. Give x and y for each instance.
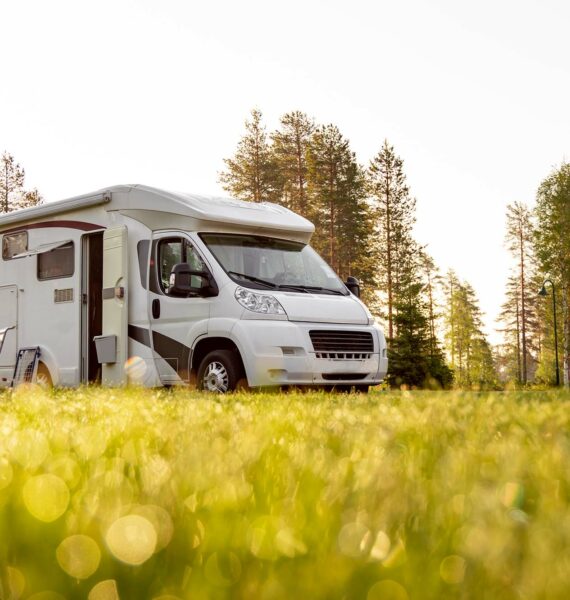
(43, 376)
(220, 371)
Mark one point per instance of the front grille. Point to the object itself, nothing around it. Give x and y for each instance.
(351, 345)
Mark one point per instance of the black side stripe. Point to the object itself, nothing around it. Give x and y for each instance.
(139, 334)
(177, 355)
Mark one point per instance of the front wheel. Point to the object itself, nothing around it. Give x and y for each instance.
(220, 371)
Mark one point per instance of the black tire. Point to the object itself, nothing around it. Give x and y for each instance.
(220, 371)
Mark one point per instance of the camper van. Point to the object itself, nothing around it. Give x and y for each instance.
(133, 284)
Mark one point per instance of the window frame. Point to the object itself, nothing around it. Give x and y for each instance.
(71, 245)
(157, 267)
(13, 234)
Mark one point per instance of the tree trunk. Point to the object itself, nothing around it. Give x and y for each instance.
(566, 337)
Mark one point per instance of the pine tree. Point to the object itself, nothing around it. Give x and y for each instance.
(395, 213)
(472, 357)
(290, 148)
(252, 173)
(519, 239)
(337, 191)
(440, 374)
(13, 196)
(552, 246)
(11, 182)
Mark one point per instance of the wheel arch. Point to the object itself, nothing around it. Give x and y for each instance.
(208, 344)
(47, 359)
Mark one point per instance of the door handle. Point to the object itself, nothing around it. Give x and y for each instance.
(156, 308)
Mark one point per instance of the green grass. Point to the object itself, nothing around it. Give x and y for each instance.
(390, 496)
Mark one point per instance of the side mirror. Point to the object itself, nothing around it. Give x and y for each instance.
(184, 282)
(353, 286)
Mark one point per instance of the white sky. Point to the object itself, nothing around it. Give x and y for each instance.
(475, 97)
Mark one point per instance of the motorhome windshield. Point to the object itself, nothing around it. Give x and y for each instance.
(262, 263)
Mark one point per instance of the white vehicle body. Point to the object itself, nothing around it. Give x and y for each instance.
(90, 267)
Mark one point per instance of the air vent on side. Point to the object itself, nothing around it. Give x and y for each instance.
(65, 295)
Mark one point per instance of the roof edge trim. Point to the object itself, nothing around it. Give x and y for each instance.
(53, 208)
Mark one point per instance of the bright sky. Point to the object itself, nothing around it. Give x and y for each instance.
(475, 97)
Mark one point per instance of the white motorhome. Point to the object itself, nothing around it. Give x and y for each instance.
(136, 283)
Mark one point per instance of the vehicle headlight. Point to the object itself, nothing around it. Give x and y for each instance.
(259, 303)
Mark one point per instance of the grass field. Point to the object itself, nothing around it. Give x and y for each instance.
(391, 496)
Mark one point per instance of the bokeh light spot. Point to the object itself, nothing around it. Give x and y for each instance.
(161, 520)
(16, 583)
(131, 539)
(135, 368)
(452, 569)
(387, 590)
(29, 448)
(104, 590)
(46, 497)
(79, 556)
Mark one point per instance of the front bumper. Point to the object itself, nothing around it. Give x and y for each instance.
(281, 353)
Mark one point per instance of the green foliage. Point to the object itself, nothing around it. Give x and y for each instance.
(252, 173)
(471, 355)
(338, 195)
(290, 148)
(394, 211)
(552, 245)
(154, 494)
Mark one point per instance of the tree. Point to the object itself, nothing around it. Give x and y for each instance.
(11, 181)
(395, 215)
(290, 148)
(552, 245)
(252, 173)
(12, 193)
(416, 358)
(337, 191)
(472, 358)
(519, 239)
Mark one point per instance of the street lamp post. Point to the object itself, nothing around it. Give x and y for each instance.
(543, 292)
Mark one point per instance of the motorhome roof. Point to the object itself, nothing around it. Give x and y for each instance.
(204, 209)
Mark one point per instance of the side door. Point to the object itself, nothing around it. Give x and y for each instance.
(8, 326)
(175, 322)
(115, 301)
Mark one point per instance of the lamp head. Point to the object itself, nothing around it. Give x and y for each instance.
(543, 291)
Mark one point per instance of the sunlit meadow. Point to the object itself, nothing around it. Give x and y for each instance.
(173, 494)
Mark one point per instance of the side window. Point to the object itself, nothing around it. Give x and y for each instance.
(170, 253)
(56, 263)
(14, 243)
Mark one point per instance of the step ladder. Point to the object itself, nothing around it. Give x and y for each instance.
(26, 366)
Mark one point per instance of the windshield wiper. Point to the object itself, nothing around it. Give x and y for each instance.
(252, 278)
(292, 286)
(316, 288)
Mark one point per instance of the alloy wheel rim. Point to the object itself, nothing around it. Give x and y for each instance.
(216, 378)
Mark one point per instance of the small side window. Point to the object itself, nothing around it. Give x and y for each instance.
(56, 263)
(14, 243)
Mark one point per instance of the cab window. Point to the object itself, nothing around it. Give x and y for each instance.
(172, 251)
